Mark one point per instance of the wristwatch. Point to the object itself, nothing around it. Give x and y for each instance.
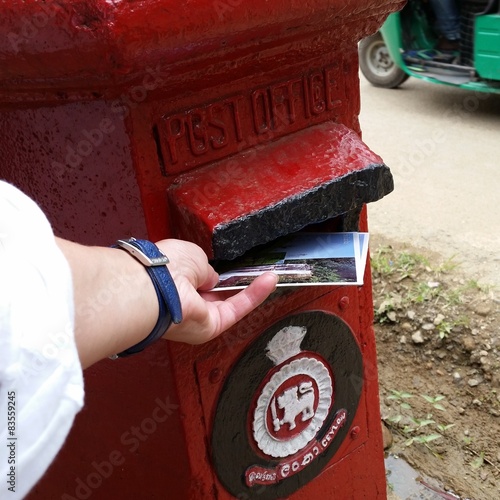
(155, 262)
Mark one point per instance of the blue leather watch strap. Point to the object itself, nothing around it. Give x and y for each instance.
(168, 298)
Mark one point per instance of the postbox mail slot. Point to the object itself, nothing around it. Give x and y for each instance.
(252, 198)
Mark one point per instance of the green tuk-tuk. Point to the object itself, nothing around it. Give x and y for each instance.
(405, 46)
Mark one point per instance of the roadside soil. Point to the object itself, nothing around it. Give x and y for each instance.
(439, 367)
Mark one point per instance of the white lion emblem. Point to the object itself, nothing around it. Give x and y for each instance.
(295, 401)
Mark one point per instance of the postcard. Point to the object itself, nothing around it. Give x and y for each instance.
(300, 259)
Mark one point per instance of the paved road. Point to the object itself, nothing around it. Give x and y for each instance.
(443, 147)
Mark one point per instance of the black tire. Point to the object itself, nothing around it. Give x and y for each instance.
(377, 65)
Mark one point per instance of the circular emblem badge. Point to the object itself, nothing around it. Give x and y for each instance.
(296, 398)
(298, 385)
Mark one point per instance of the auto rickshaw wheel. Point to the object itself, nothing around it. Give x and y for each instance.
(377, 65)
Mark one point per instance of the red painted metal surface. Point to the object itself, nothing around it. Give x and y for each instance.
(278, 175)
(102, 106)
(75, 161)
(95, 44)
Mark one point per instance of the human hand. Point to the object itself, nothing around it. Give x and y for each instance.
(205, 314)
(129, 313)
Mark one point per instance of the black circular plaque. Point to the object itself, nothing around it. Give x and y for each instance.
(286, 406)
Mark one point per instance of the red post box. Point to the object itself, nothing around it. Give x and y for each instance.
(226, 123)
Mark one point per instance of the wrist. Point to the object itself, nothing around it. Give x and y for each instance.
(114, 300)
(169, 306)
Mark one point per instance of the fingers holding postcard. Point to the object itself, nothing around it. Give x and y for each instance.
(300, 259)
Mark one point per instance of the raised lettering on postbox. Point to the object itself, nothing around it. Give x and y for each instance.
(213, 131)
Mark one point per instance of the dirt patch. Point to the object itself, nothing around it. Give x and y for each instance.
(439, 366)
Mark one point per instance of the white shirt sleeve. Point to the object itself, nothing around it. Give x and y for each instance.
(41, 382)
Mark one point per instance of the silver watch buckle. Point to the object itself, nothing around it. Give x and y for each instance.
(142, 257)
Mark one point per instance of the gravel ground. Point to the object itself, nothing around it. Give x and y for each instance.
(439, 359)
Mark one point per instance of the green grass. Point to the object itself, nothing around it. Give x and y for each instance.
(386, 261)
(415, 282)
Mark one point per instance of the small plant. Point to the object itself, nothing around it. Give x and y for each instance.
(417, 430)
(478, 461)
(448, 265)
(452, 297)
(444, 329)
(401, 397)
(424, 292)
(424, 422)
(423, 439)
(467, 440)
(474, 285)
(443, 428)
(407, 263)
(386, 261)
(434, 401)
(396, 419)
(381, 260)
